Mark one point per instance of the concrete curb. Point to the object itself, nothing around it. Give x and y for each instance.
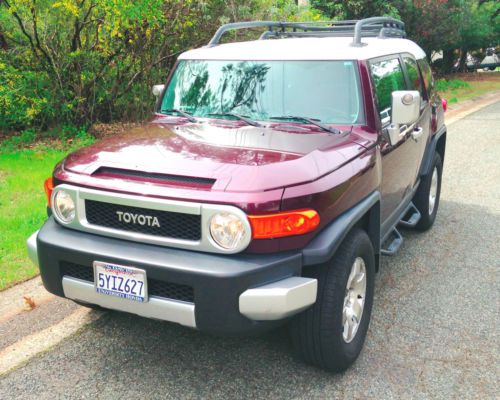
(27, 347)
(12, 300)
(460, 110)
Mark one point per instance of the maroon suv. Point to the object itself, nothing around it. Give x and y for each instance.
(273, 176)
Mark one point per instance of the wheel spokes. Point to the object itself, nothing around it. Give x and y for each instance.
(354, 300)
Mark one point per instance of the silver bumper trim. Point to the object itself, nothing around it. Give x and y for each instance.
(32, 248)
(167, 310)
(279, 299)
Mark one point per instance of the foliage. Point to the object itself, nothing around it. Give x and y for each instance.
(355, 9)
(452, 84)
(80, 61)
(76, 62)
(60, 137)
(450, 25)
(24, 98)
(436, 25)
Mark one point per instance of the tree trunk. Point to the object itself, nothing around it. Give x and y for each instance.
(462, 66)
(448, 58)
(3, 42)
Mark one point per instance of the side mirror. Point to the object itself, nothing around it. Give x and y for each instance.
(405, 111)
(405, 106)
(158, 90)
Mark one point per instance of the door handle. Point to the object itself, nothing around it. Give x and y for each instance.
(417, 132)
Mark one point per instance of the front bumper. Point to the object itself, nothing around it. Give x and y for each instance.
(233, 294)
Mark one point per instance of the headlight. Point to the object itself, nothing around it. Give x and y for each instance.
(227, 230)
(64, 206)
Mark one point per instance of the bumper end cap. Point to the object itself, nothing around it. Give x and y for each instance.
(279, 299)
(32, 248)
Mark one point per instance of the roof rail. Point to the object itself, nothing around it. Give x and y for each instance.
(369, 27)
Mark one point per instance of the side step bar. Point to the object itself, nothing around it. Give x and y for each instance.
(393, 241)
(410, 217)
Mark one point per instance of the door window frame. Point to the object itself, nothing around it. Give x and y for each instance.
(425, 94)
(374, 91)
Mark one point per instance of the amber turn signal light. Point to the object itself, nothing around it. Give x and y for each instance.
(49, 187)
(288, 223)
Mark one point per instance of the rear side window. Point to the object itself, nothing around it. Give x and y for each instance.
(414, 76)
(426, 74)
(388, 77)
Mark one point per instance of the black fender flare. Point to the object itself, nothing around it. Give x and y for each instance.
(323, 246)
(426, 165)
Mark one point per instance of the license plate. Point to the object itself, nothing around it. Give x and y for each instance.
(120, 281)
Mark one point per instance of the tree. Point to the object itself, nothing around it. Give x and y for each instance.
(355, 9)
(89, 60)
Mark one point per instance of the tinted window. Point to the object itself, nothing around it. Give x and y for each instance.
(328, 91)
(426, 74)
(388, 77)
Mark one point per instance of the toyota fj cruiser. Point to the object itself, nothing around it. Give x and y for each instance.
(273, 176)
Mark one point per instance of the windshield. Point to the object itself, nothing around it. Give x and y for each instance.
(327, 91)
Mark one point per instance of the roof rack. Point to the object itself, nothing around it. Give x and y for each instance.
(382, 27)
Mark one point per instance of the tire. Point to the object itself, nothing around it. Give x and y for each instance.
(318, 333)
(422, 199)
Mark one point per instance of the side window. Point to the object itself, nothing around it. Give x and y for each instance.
(414, 76)
(427, 75)
(388, 77)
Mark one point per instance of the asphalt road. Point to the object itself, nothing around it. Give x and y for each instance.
(434, 330)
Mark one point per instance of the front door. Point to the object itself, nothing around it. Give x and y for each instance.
(400, 162)
(423, 124)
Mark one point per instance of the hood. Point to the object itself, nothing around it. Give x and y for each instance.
(230, 156)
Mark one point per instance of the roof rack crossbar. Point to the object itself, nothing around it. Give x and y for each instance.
(269, 34)
(396, 28)
(372, 27)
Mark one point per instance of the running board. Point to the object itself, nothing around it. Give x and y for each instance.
(410, 217)
(394, 241)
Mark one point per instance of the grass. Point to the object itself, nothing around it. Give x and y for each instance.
(23, 203)
(468, 86)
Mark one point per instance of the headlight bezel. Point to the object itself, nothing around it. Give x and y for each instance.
(56, 209)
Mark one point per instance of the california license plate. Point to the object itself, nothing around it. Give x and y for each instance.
(120, 281)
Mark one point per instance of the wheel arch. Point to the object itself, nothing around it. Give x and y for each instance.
(437, 144)
(441, 146)
(364, 215)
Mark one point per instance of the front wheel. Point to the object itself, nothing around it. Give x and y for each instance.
(428, 194)
(331, 333)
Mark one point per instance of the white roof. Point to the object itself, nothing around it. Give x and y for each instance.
(313, 48)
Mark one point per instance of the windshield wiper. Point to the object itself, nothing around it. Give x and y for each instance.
(240, 117)
(185, 114)
(309, 121)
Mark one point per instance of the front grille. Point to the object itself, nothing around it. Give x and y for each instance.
(170, 290)
(167, 290)
(77, 271)
(171, 224)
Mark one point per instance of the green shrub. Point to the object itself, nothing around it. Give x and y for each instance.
(96, 61)
(25, 98)
(63, 137)
(443, 85)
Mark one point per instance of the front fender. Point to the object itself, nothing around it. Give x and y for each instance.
(323, 246)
